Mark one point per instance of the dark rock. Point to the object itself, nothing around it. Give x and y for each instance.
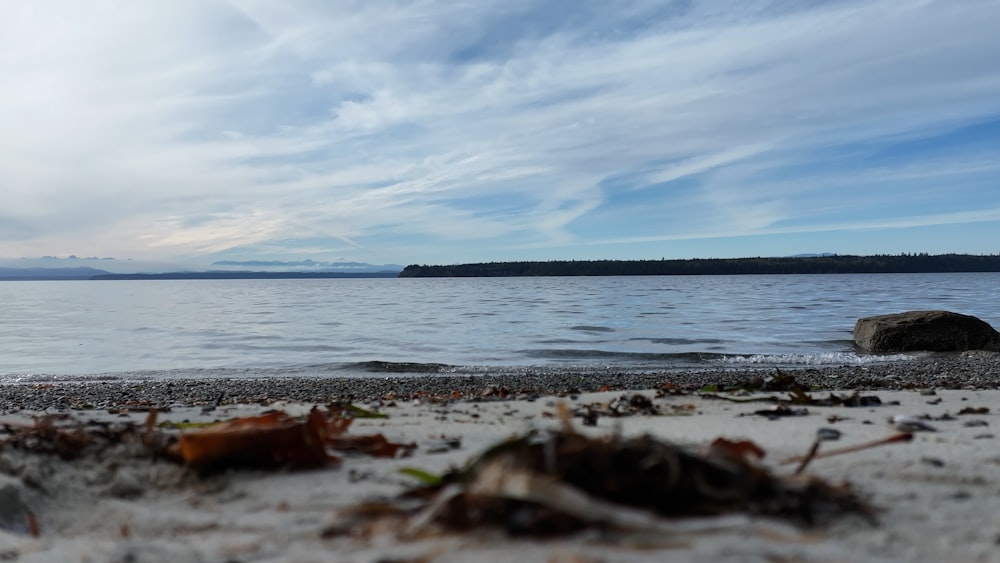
(934, 331)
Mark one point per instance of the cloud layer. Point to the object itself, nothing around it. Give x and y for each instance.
(395, 131)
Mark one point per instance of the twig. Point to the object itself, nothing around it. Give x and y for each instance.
(901, 437)
(808, 457)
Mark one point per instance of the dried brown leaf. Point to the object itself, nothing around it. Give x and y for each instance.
(273, 438)
(738, 450)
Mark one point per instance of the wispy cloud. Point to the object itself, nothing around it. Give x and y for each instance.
(960, 218)
(411, 131)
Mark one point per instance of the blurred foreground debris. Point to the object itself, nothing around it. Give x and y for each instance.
(561, 482)
(272, 439)
(278, 439)
(62, 435)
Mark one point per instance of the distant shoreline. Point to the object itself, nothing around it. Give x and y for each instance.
(825, 264)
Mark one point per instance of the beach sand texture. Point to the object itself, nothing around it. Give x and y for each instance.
(938, 494)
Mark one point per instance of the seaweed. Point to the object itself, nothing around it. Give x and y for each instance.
(559, 482)
(798, 394)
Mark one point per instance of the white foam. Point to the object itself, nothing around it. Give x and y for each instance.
(822, 359)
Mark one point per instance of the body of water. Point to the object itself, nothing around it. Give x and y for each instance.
(204, 328)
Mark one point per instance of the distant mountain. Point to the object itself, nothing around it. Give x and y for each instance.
(112, 265)
(75, 268)
(79, 273)
(244, 275)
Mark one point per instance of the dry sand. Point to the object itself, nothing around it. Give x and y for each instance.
(940, 493)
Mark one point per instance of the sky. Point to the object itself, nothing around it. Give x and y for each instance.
(419, 132)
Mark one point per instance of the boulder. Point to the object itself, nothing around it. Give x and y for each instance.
(934, 331)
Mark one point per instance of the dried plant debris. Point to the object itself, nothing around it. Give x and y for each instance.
(629, 405)
(375, 445)
(625, 405)
(278, 439)
(798, 394)
(562, 481)
(900, 438)
(636, 403)
(272, 439)
(67, 437)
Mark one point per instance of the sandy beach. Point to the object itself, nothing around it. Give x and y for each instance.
(936, 495)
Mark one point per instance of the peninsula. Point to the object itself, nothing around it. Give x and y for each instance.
(825, 264)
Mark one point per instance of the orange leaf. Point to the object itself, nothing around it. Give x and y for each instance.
(270, 439)
(741, 450)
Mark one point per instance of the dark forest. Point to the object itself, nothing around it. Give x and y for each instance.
(827, 264)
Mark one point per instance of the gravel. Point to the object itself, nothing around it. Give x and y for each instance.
(967, 371)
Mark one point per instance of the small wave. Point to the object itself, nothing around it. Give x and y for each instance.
(379, 366)
(571, 353)
(822, 359)
(43, 378)
(590, 328)
(681, 341)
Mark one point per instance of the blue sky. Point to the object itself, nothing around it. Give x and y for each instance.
(192, 131)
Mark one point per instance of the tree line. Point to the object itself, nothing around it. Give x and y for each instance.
(826, 264)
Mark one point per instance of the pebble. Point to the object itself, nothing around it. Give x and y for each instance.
(827, 434)
(905, 423)
(962, 372)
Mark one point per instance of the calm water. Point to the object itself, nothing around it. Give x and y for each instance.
(203, 328)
